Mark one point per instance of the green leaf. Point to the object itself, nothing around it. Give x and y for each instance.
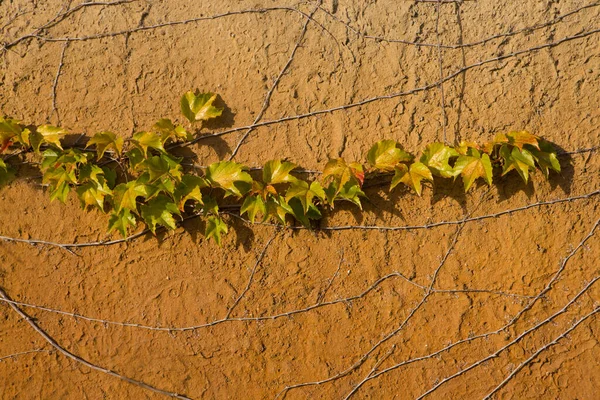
(214, 228)
(46, 134)
(136, 158)
(59, 191)
(126, 194)
(167, 130)
(473, 166)
(209, 205)
(121, 221)
(520, 160)
(145, 140)
(90, 172)
(518, 139)
(351, 191)
(465, 147)
(386, 154)
(111, 177)
(9, 128)
(159, 211)
(6, 174)
(189, 189)
(278, 208)
(59, 179)
(411, 176)
(253, 205)
(199, 107)
(545, 158)
(106, 140)
(305, 193)
(93, 193)
(277, 171)
(437, 157)
(230, 176)
(157, 166)
(304, 216)
(341, 173)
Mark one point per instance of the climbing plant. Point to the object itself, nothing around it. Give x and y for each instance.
(139, 180)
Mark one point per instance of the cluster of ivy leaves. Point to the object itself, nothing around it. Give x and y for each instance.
(139, 180)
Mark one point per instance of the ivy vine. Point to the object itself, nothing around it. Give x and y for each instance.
(140, 180)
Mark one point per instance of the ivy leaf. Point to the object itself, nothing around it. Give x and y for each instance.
(59, 179)
(278, 208)
(342, 173)
(126, 194)
(253, 205)
(546, 158)
(277, 171)
(106, 140)
(6, 175)
(351, 191)
(121, 221)
(166, 129)
(158, 166)
(472, 166)
(135, 157)
(144, 140)
(305, 193)
(411, 176)
(230, 176)
(159, 211)
(9, 128)
(464, 147)
(437, 157)
(199, 108)
(93, 193)
(518, 139)
(111, 177)
(304, 216)
(520, 160)
(386, 154)
(46, 134)
(189, 189)
(209, 206)
(214, 228)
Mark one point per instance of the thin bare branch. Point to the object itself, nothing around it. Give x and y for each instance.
(80, 360)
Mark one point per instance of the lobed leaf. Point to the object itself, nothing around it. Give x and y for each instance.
(126, 194)
(189, 189)
(159, 211)
(165, 128)
(145, 140)
(121, 221)
(9, 129)
(215, 227)
(230, 176)
(106, 140)
(520, 160)
(305, 193)
(545, 158)
(278, 208)
(277, 171)
(199, 107)
(437, 157)
(472, 166)
(386, 154)
(254, 205)
(341, 173)
(411, 176)
(6, 174)
(46, 134)
(518, 139)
